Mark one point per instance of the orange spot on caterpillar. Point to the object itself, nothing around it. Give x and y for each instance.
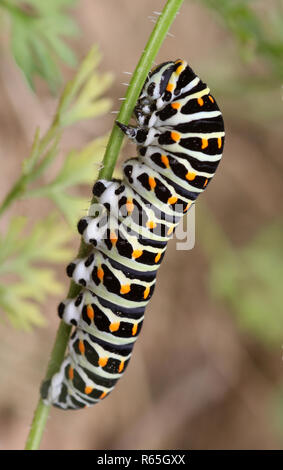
(187, 207)
(88, 390)
(200, 101)
(175, 136)
(170, 87)
(172, 200)
(219, 142)
(181, 66)
(103, 395)
(151, 224)
(114, 326)
(165, 161)
(204, 143)
(151, 182)
(190, 176)
(113, 238)
(157, 257)
(71, 373)
(130, 206)
(137, 253)
(102, 361)
(211, 99)
(145, 294)
(81, 347)
(100, 273)
(205, 183)
(134, 329)
(175, 105)
(125, 289)
(180, 69)
(121, 367)
(170, 230)
(90, 312)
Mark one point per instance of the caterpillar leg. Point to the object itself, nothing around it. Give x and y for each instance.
(139, 135)
(132, 249)
(72, 387)
(57, 392)
(101, 318)
(112, 282)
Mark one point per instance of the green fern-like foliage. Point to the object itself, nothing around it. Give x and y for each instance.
(257, 31)
(79, 167)
(21, 256)
(38, 30)
(26, 248)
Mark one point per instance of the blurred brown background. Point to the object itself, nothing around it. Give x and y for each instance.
(198, 379)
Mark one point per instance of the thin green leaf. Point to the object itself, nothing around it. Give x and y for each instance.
(81, 166)
(258, 34)
(72, 207)
(37, 28)
(22, 253)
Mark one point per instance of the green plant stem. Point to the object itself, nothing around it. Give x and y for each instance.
(153, 45)
(114, 144)
(42, 410)
(20, 185)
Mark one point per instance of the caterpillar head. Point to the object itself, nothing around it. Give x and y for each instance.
(161, 86)
(153, 88)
